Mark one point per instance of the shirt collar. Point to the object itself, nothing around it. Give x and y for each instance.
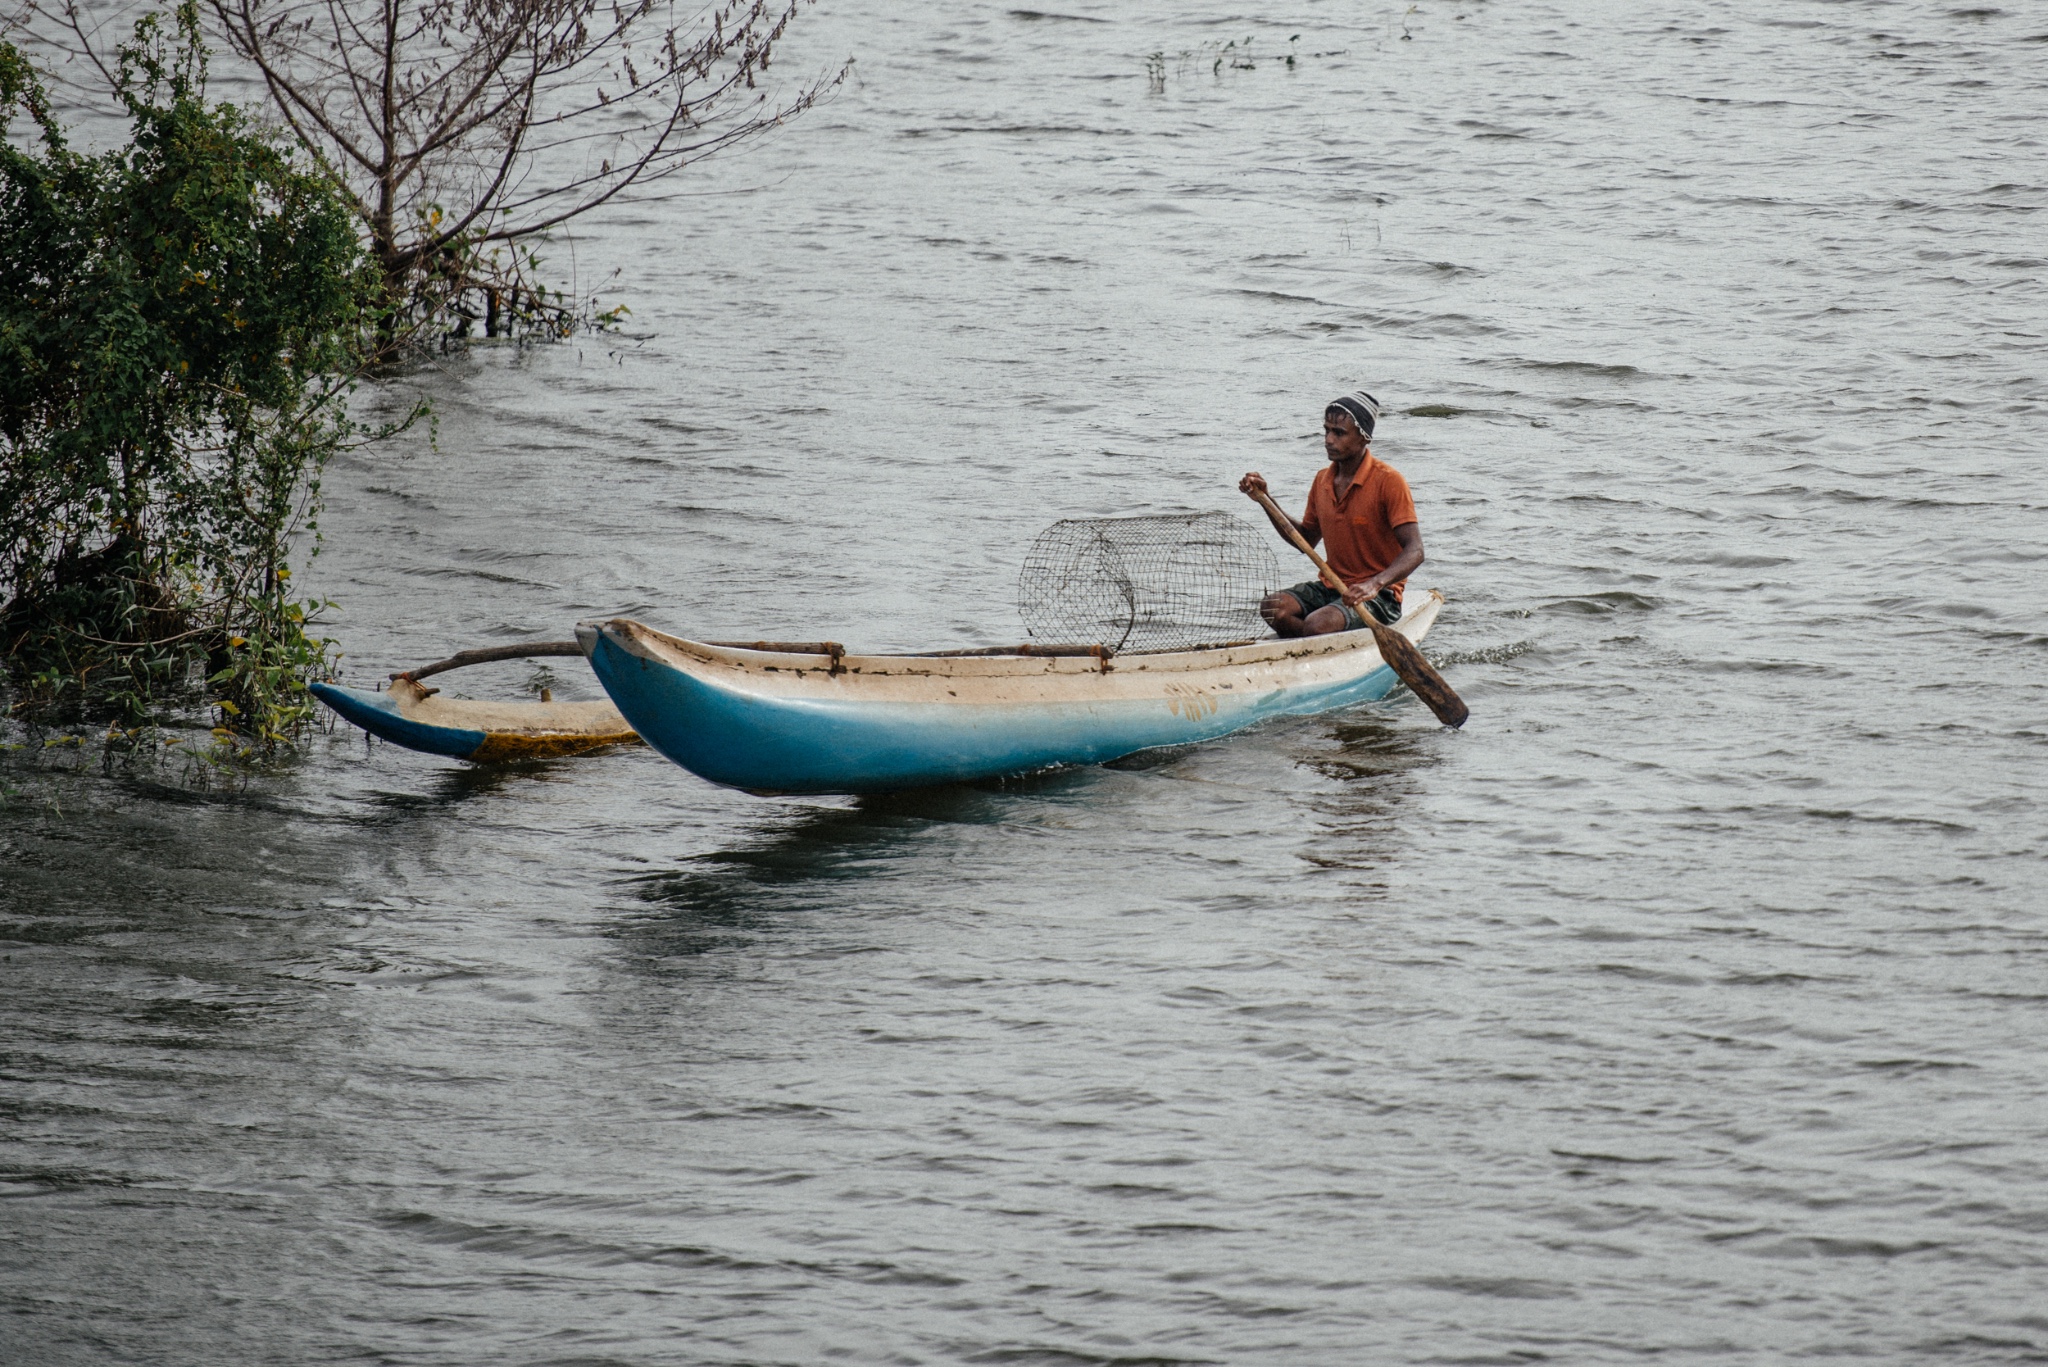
(1357, 476)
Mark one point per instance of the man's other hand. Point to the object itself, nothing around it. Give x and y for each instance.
(1253, 483)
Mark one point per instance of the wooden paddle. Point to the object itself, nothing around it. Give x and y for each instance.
(1397, 650)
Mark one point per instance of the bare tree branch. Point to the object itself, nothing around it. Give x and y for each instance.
(454, 124)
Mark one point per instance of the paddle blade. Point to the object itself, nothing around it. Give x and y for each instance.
(1421, 676)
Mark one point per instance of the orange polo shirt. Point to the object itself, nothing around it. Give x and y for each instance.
(1358, 529)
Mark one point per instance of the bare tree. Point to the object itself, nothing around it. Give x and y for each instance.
(457, 126)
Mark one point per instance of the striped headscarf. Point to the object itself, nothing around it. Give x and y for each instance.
(1363, 408)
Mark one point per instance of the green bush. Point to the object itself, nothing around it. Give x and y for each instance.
(180, 322)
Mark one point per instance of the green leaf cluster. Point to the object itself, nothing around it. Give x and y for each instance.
(180, 322)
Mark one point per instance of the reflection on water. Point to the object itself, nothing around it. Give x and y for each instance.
(1686, 1004)
(723, 897)
(1376, 766)
(447, 789)
(825, 855)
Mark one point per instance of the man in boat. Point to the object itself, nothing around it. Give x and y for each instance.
(1361, 505)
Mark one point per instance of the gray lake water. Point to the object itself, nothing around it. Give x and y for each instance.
(1687, 1005)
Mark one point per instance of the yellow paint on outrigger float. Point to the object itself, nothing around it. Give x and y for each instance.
(500, 747)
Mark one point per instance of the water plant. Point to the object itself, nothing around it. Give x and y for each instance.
(1219, 57)
(181, 319)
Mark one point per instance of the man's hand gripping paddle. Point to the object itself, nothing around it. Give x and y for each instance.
(1397, 650)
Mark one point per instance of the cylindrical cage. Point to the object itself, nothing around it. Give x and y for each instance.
(1160, 582)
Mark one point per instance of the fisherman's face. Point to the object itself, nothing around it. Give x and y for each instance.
(1342, 440)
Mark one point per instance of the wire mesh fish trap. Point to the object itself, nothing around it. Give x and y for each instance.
(1170, 581)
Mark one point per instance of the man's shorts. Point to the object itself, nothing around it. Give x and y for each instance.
(1314, 593)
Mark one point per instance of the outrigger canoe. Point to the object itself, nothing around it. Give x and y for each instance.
(812, 718)
(412, 715)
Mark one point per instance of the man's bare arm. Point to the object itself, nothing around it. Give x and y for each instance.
(1409, 534)
(1257, 481)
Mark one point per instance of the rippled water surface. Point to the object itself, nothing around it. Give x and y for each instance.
(1689, 1004)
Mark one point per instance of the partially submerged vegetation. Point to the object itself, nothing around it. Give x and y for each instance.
(183, 317)
(180, 321)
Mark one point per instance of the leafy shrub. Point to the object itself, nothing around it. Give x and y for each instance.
(181, 320)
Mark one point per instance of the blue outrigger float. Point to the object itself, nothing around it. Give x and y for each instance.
(812, 718)
(417, 718)
(411, 714)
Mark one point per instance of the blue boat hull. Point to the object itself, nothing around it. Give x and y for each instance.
(838, 733)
